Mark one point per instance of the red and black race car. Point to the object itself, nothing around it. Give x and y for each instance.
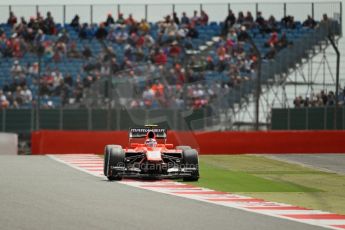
(150, 159)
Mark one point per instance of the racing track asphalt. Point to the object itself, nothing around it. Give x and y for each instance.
(328, 162)
(37, 192)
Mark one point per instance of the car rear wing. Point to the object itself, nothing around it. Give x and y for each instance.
(142, 132)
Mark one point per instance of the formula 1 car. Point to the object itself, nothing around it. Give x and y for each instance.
(149, 159)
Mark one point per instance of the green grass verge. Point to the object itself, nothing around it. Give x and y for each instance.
(273, 180)
(237, 181)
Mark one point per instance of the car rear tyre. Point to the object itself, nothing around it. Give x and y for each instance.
(113, 156)
(191, 160)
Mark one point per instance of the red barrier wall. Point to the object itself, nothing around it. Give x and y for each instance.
(45, 142)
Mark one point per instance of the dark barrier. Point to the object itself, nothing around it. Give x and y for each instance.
(24, 120)
(318, 118)
(63, 142)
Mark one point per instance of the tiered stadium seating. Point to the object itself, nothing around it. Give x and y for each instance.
(283, 61)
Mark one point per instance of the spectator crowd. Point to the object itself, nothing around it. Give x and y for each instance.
(154, 57)
(320, 99)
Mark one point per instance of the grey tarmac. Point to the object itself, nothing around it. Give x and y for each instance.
(326, 162)
(37, 192)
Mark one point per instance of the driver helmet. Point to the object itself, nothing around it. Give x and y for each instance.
(150, 142)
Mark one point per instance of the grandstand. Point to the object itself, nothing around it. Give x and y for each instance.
(194, 65)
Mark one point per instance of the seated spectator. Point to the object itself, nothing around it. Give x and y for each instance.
(192, 32)
(324, 18)
(120, 20)
(140, 41)
(110, 20)
(23, 21)
(49, 24)
(63, 37)
(240, 18)
(18, 97)
(184, 19)
(33, 24)
(17, 47)
(260, 21)
(12, 19)
(195, 18)
(5, 46)
(161, 58)
(87, 53)
(221, 51)
(68, 80)
(203, 18)
(114, 66)
(144, 26)
(176, 19)
(133, 28)
(17, 70)
(230, 20)
(174, 50)
(248, 20)
(121, 35)
(331, 98)
(324, 97)
(327, 22)
(109, 54)
(84, 31)
(112, 34)
(273, 40)
(271, 53)
(101, 32)
(130, 21)
(171, 30)
(148, 41)
(272, 24)
(283, 42)
(232, 35)
(39, 17)
(26, 95)
(289, 22)
(309, 22)
(132, 39)
(209, 64)
(33, 69)
(222, 64)
(72, 51)
(182, 32)
(4, 103)
(242, 35)
(75, 22)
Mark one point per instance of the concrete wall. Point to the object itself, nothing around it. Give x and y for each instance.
(8, 144)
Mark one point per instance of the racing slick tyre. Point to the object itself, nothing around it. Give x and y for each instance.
(191, 160)
(183, 147)
(106, 157)
(113, 156)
